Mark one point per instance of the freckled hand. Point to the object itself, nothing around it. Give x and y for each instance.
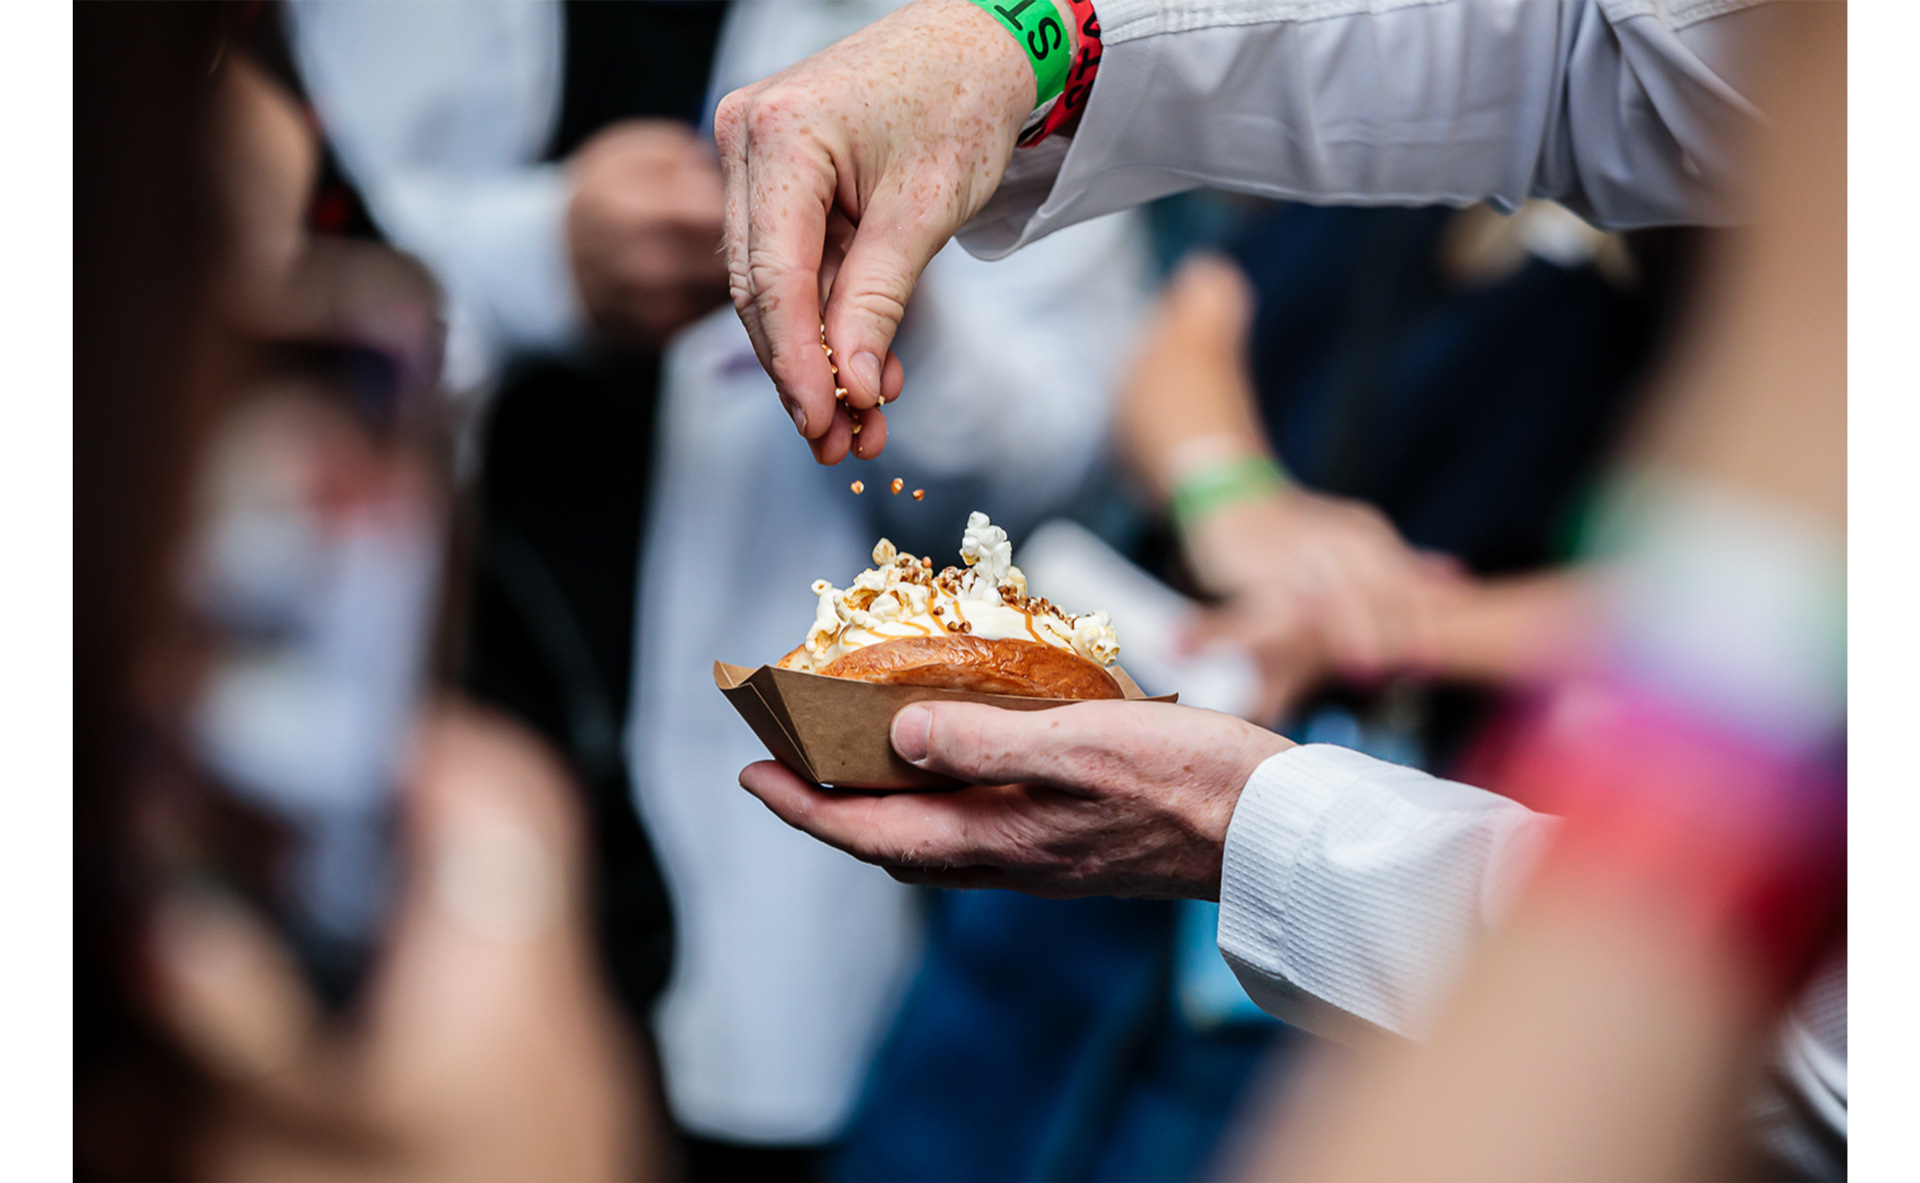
(844, 175)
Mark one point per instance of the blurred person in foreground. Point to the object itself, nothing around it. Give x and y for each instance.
(574, 219)
(482, 1040)
(1695, 758)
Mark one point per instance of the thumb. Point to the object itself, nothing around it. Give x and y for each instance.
(890, 248)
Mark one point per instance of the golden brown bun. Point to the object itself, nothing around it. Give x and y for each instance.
(959, 662)
(792, 660)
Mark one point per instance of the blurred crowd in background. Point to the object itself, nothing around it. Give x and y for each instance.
(407, 375)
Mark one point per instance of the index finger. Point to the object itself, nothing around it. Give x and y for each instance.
(898, 829)
(788, 200)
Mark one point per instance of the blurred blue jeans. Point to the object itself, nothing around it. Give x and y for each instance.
(1052, 1039)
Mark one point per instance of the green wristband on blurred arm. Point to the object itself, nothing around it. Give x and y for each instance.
(1204, 493)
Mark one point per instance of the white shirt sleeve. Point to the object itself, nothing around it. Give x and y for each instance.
(1619, 109)
(1353, 889)
(440, 113)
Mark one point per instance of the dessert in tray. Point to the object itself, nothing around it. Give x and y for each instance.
(903, 633)
(902, 624)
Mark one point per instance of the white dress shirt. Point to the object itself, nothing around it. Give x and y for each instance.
(1625, 111)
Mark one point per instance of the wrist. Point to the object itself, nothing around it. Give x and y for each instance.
(1060, 42)
(1063, 114)
(1214, 813)
(1045, 37)
(992, 58)
(1205, 490)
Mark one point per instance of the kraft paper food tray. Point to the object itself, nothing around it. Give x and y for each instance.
(834, 731)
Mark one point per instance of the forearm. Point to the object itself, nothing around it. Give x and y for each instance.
(1189, 388)
(1513, 630)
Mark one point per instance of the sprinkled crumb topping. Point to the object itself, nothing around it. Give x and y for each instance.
(902, 596)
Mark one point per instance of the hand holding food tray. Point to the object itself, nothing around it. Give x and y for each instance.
(903, 634)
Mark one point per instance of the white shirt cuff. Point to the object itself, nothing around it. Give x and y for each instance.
(1352, 889)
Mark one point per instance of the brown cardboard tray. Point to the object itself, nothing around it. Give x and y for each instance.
(834, 731)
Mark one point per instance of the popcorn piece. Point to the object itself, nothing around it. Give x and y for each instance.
(1094, 638)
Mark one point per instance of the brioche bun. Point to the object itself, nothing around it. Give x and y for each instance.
(957, 661)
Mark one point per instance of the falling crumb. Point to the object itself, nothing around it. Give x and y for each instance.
(858, 487)
(896, 485)
(919, 494)
(840, 393)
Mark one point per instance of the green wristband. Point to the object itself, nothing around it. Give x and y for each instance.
(1037, 26)
(1212, 489)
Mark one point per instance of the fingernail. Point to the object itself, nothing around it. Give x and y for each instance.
(866, 368)
(799, 414)
(910, 730)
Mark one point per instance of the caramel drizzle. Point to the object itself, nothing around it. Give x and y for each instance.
(919, 571)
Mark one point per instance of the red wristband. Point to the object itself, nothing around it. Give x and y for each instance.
(1067, 108)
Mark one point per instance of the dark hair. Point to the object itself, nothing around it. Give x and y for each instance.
(143, 255)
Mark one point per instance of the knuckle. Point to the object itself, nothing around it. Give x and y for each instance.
(764, 276)
(729, 121)
(882, 299)
(768, 115)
